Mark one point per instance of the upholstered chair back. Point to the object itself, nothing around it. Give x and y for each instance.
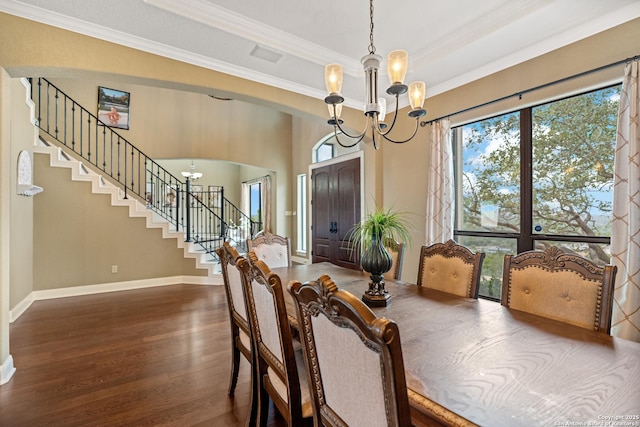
(277, 364)
(450, 267)
(232, 278)
(560, 286)
(397, 257)
(240, 327)
(273, 250)
(354, 359)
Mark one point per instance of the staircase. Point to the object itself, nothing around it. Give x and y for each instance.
(76, 139)
(79, 172)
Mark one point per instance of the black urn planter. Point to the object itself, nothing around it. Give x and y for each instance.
(376, 261)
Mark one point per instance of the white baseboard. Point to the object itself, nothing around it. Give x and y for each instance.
(23, 305)
(7, 370)
(300, 260)
(20, 308)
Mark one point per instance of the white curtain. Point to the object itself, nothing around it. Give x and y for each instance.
(265, 205)
(440, 185)
(245, 196)
(625, 235)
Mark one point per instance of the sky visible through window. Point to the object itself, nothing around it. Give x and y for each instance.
(255, 202)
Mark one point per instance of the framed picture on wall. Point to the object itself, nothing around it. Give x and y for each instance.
(170, 196)
(215, 196)
(113, 107)
(196, 191)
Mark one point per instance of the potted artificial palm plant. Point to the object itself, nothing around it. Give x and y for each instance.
(377, 231)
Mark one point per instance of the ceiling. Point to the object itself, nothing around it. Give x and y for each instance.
(287, 43)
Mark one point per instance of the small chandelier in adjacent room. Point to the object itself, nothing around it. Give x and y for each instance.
(375, 108)
(192, 174)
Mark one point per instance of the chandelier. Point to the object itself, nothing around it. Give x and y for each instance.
(192, 174)
(375, 108)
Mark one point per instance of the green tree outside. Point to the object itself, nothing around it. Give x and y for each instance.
(573, 152)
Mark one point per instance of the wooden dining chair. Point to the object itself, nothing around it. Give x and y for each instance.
(277, 363)
(240, 327)
(450, 267)
(561, 286)
(272, 249)
(397, 257)
(353, 358)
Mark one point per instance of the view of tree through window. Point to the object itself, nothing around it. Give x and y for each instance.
(573, 152)
(538, 177)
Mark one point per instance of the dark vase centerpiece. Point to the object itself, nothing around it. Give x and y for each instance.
(376, 261)
(376, 232)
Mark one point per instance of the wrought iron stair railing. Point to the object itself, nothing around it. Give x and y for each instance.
(238, 223)
(76, 129)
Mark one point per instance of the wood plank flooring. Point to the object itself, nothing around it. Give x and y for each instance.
(151, 357)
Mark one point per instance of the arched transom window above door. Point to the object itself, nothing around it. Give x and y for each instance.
(328, 148)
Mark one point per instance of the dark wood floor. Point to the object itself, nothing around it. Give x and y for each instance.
(150, 357)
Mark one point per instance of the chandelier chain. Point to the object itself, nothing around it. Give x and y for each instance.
(372, 48)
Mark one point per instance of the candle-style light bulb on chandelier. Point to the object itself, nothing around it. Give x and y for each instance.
(375, 108)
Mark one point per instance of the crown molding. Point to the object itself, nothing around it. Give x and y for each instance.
(282, 42)
(107, 34)
(603, 23)
(264, 35)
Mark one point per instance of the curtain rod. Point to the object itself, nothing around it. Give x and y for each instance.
(520, 93)
(256, 179)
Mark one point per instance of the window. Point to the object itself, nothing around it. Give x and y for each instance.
(255, 201)
(302, 213)
(537, 177)
(328, 148)
(325, 152)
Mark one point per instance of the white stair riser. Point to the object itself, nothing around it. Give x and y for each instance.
(99, 185)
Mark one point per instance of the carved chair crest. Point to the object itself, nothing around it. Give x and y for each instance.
(555, 259)
(450, 249)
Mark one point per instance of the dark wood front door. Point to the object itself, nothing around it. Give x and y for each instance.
(335, 198)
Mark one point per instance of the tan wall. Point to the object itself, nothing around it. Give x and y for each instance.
(262, 139)
(22, 239)
(5, 214)
(395, 175)
(168, 123)
(305, 134)
(80, 236)
(173, 124)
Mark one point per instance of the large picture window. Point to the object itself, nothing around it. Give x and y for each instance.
(537, 177)
(255, 202)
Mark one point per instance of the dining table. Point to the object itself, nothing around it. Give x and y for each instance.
(475, 362)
